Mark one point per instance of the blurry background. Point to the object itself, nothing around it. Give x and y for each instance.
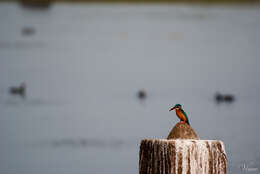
(82, 83)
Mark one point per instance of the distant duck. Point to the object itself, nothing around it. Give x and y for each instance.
(18, 90)
(142, 94)
(28, 31)
(224, 98)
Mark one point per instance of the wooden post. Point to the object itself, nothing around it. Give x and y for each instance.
(182, 156)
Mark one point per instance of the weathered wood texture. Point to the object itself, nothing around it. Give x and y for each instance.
(182, 131)
(161, 156)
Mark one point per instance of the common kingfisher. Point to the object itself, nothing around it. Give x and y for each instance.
(181, 114)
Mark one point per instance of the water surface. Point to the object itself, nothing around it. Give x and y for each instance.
(84, 64)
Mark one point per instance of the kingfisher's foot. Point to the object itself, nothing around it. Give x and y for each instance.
(182, 122)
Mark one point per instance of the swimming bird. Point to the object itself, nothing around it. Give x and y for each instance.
(18, 90)
(181, 114)
(224, 98)
(142, 94)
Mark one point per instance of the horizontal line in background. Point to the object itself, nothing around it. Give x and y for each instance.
(86, 142)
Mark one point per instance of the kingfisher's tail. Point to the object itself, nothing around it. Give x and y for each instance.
(188, 122)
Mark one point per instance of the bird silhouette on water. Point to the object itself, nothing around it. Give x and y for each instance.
(142, 94)
(181, 114)
(28, 31)
(229, 98)
(18, 90)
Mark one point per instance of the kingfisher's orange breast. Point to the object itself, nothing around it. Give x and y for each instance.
(180, 115)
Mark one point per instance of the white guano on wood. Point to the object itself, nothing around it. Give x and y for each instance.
(161, 156)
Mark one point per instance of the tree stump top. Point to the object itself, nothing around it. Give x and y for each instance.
(182, 131)
(179, 156)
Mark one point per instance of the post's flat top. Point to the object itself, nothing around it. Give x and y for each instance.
(184, 140)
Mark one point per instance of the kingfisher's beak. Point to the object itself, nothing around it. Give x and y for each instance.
(172, 108)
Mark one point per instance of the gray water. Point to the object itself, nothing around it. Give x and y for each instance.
(84, 64)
